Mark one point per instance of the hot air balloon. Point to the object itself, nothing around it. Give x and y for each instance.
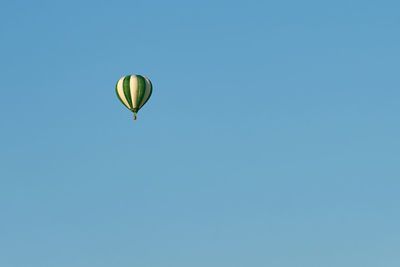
(134, 91)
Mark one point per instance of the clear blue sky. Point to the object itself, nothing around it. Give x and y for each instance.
(271, 138)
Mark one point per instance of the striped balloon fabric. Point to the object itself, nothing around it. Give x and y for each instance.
(134, 91)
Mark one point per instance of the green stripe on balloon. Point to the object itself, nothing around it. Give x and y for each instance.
(141, 90)
(127, 90)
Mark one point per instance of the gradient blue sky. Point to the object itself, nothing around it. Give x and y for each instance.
(271, 138)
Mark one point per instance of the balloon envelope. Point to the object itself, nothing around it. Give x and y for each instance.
(134, 91)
